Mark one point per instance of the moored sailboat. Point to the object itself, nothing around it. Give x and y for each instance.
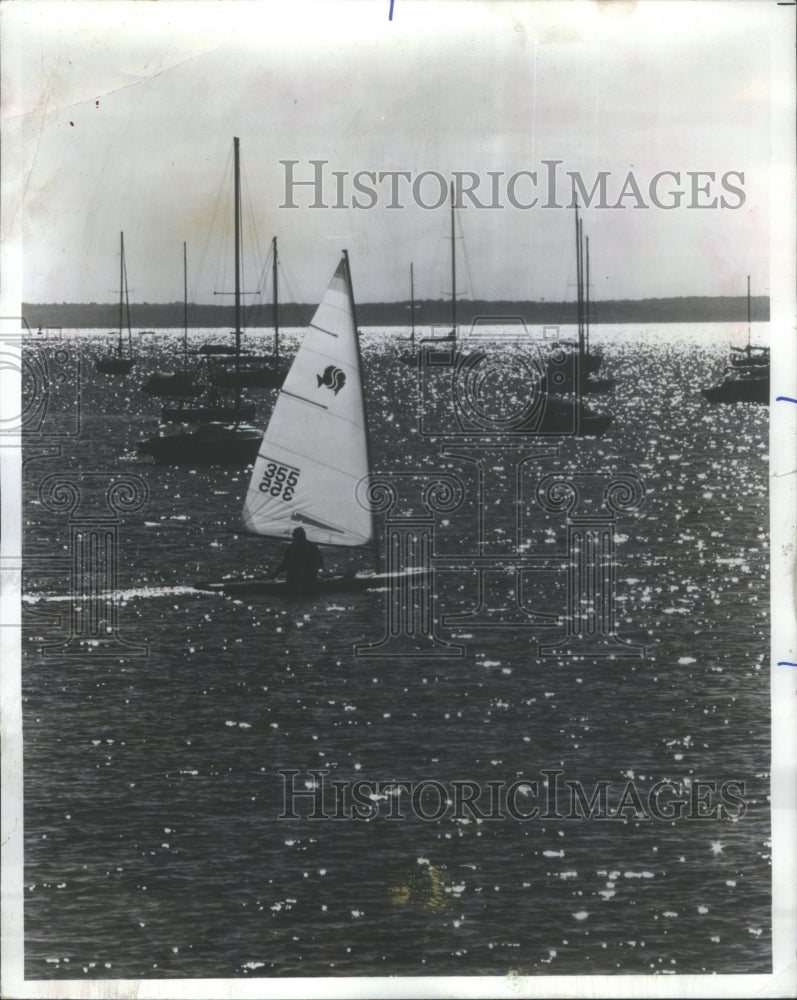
(589, 361)
(411, 357)
(747, 375)
(236, 369)
(118, 364)
(589, 383)
(181, 384)
(565, 406)
(586, 361)
(222, 437)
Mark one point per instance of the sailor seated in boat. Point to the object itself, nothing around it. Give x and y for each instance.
(300, 563)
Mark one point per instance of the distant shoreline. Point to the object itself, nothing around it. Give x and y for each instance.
(692, 309)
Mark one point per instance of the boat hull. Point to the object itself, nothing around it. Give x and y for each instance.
(597, 386)
(209, 445)
(571, 417)
(206, 414)
(114, 366)
(753, 390)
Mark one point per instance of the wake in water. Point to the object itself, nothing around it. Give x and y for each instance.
(119, 595)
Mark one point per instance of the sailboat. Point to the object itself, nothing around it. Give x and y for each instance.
(249, 371)
(411, 357)
(588, 361)
(747, 375)
(452, 336)
(181, 384)
(117, 364)
(222, 437)
(565, 410)
(315, 450)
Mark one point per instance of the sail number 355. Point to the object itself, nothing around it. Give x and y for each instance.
(279, 480)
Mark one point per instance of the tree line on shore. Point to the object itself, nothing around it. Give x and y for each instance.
(428, 312)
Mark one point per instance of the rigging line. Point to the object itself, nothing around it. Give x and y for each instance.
(564, 271)
(214, 229)
(224, 236)
(286, 281)
(264, 284)
(253, 309)
(468, 269)
(250, 215)
(532, 230)
(324, 357)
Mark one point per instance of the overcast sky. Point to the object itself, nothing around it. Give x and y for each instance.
(122, 117)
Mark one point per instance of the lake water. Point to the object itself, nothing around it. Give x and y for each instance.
(152, 784)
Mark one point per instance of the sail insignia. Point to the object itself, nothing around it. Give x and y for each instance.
(333, 378)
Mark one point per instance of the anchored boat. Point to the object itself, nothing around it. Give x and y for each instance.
(118, 364)
(747, 375)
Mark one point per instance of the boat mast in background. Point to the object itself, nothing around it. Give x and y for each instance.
(586, 296)
(237, 196)
(412, 307)
(185, 309)
(453, 272)
(118, 364)
(275, 298)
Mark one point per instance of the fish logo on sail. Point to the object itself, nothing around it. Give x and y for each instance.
(333, 378)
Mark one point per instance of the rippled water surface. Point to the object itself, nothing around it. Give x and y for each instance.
(152, 844)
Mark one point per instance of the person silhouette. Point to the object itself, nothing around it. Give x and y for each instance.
(301, 562)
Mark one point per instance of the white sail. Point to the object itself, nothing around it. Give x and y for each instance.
(315, 449)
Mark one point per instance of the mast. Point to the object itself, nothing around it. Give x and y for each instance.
(121, 289)
(412, 306)
(580, 320)
(185, 309)
(275, 301)
(453, 272)
(127, 304)
(579, 289)
(350, 290)
(586, 308)
(237, 270)
(748, 313)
